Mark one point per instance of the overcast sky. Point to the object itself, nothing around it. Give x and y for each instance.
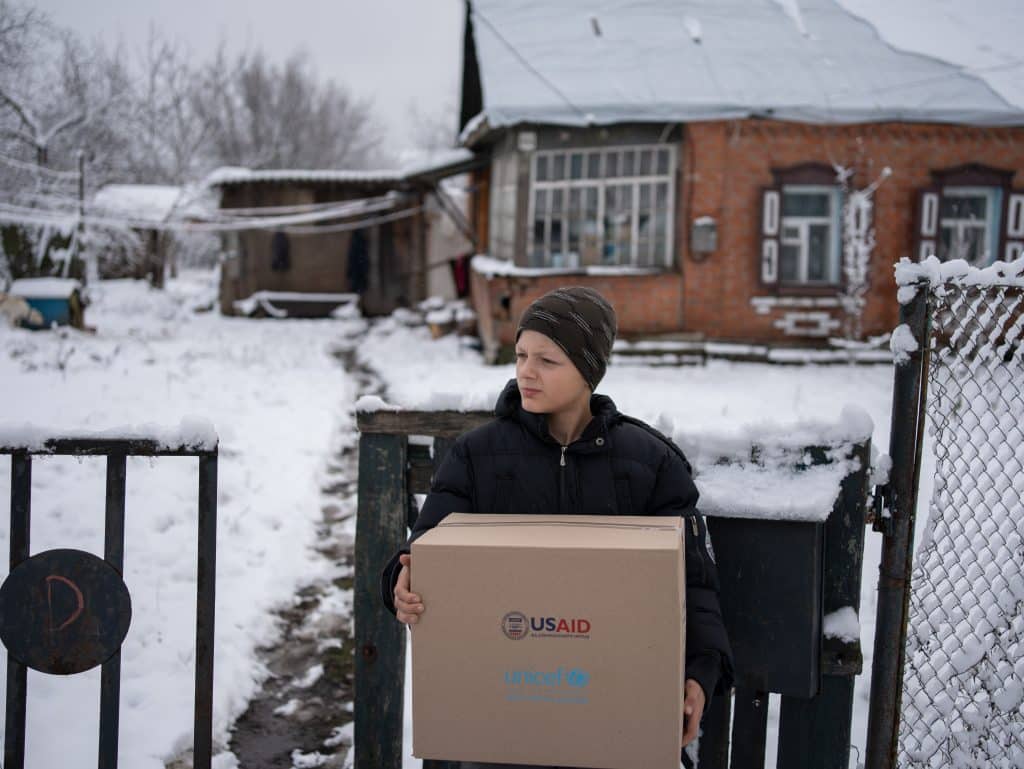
(399, 52)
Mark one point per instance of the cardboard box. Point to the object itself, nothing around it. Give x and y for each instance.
(550, 640)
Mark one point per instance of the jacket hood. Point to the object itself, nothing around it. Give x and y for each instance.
(510, 406)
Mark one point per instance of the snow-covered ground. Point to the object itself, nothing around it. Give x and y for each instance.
(719, 403)
(281, 404)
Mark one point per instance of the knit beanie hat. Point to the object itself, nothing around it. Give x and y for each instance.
(581, 322)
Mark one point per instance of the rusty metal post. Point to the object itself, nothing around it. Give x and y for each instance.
(17, 673)
(900, 495)
(113, 553)
(206, 582)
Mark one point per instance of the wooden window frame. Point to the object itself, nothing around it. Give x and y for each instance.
(602, 181)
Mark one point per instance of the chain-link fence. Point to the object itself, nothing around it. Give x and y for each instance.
(963, 684)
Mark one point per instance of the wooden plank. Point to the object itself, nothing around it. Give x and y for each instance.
(380, 638)
(444, 423)
(815, 733)
(714, 740)
(749, 729)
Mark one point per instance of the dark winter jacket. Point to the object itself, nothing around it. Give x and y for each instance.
(618, 466)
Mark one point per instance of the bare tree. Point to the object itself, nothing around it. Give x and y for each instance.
(260, 115)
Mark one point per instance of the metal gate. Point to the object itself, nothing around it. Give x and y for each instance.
(947, 687)
(66, 611)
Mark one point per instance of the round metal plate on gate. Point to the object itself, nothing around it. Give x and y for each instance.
(64, 611)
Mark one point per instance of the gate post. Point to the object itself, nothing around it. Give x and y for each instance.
(900, 496)
(380, 640)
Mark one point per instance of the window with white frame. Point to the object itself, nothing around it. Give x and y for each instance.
(809, 247)
(603, 206)
(969, 223)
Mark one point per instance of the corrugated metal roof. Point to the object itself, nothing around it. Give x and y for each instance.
(424, 166)
(579, 62)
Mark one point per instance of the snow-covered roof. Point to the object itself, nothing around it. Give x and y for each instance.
(579, 62)
(44, 288)
(142, 202)
(419, 166)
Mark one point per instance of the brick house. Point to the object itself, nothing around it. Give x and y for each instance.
(703, 180)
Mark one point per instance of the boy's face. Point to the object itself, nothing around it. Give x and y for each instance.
(548, 381)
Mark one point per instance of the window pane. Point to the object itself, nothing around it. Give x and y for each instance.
(662, 161)
(962, 241)
(789, 258)
(558, 167)
(575, 224)
(611, 167)
(540, 206)
(963, 207)
(618, 224)
(645, 162)
(661, 197)
(576, 165)
(591, 235)
(594, 165)
(818, 250)
(558, 258)
(645, 225)
(805, 203)
(628, 163)
(542, 168)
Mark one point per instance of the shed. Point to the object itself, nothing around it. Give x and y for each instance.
(310, 239)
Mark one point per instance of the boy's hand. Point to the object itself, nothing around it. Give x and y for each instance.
(408, 606)
(693, 709)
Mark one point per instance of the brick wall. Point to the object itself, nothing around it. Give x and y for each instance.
(725, 165)
(644, 304)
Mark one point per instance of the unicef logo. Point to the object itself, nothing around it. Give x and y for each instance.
(578, 678)
(515, 625)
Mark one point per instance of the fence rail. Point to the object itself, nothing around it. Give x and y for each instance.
(822, 560)
(90, 598)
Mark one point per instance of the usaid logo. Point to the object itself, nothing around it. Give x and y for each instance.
(515, 625)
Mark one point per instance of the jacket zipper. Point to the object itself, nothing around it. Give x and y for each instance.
(563, 497)
(693, 525)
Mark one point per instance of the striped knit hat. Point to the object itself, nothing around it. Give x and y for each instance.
(580, 321)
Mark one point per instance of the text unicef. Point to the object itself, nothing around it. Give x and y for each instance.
(575, 677)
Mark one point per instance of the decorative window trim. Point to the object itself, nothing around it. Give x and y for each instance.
(601, 182)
